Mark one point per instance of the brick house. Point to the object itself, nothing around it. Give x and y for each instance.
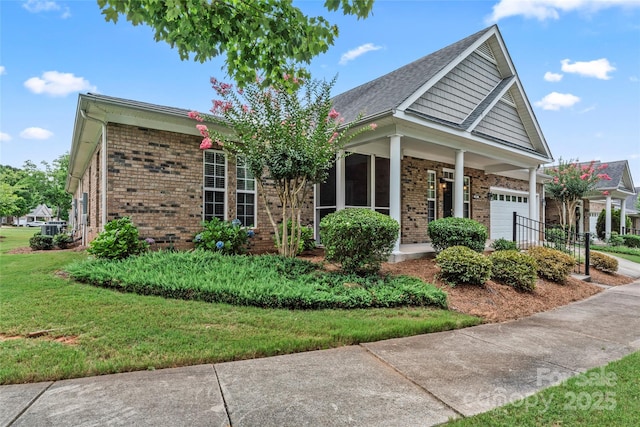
(456, 136)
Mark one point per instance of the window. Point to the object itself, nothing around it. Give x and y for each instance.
(381, 184)
(357, 170)
(245, 194)
(215, 172)
(431, 195)
(466, 196)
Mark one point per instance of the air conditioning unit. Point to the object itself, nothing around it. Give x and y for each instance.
(50, 229)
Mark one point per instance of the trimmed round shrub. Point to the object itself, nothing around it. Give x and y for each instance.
(503, 244)
(448, 232)
(41, 242)
(62, 240)
(459, 264)
(553, 264)
(226, 237)
(603, 262)
(631, 240)
(514, 268)
(119, 240)
(358, 238)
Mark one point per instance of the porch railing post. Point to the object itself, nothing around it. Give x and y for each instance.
(587, 252)
(515, 226)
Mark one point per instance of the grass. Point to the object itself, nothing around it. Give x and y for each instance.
(108, 331)
(605, 396)
(631, 254)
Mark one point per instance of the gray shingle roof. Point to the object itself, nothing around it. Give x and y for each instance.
(615, 170)
(389, 91)
(138, 104)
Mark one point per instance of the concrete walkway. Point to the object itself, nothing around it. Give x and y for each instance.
(417, 381)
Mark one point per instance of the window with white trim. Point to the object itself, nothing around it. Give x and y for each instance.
(245, 194)
(431, 196)
(466, 197)
(215, 173)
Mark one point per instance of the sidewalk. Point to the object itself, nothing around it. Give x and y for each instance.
(417, 381)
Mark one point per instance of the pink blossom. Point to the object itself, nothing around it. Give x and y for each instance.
(333, 137)
(245, 108)
(220, 143)
(604, 176)
(584, 176)
(605, 193)
(373, 126)
(206, 144)
(195, 115)
(555, 180)
(297, 80)
(334, 114)
(286, 76)
(204, 131)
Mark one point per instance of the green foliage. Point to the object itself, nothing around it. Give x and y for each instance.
(448, 232)
(631, 240)
(358, 238)
(62, 240)
(119, 240)
(553, 264)
(571, 182)
(226, 237)
(9, 201)
(503, 244)
(268, 281)
(601, 223)
(615, 239)
(515, 269)
(603, 262)
(307, 241)
(288, 138)
(40, 242)
(556, 238)
(460, 264)
(266, 36)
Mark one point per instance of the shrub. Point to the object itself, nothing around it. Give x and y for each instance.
(41, 242)
(448, 232)
(615, 222)
(515, 269)
(555, 238)
(603, 262)
(615, 239)
(359, 239)
(307, 241)
(503, 244)
(460, 264)
(226, 237)
(553, 264)
(119, 240)
(62, 240)
(631, 240)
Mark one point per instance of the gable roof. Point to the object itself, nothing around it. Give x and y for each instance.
(620, 176)
(41, 211)
(470, 86)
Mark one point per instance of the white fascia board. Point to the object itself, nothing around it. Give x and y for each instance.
(450, 66)
(493, 103)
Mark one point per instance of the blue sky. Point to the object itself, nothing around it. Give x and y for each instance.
(579, 62)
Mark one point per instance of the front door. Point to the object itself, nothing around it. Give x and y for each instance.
(447, 199)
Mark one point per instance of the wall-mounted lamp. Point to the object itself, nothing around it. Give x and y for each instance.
(489, 195)
(476, 196)
(443, 183)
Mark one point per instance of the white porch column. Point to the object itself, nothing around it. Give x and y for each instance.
(607, 217)
(623, 215)
(458, 192)
(395, 173)
(533, 206)
(340, 181)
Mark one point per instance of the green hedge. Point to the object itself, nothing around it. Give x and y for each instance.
(447, 232)
(553, 264)
(603, 262)
(459, 264)
(268, 281)
(514, 268)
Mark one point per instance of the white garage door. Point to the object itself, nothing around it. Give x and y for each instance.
(503, 205)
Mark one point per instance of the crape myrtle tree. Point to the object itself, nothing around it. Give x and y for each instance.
(270, 36)
(571, 181)
(288, 135)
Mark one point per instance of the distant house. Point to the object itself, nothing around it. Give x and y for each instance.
(456, 136)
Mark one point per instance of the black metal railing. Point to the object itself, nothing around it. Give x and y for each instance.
(528, 232)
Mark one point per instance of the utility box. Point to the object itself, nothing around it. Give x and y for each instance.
(53, 228)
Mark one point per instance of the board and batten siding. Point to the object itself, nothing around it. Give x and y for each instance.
(503, 122)
(459, 92)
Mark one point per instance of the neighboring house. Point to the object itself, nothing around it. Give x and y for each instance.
(456, 136)
(39, 213)
(633, 213)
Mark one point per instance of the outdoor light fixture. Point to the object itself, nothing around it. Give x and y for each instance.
(489, 195)
(443, 183)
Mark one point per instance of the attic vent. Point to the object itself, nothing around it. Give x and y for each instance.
(508, 98)
(485, 51)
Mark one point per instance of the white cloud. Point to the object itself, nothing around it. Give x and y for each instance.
(555, 101)
(552, 77)
(55, 83)
(5, 137)
(598, 68)
(550, 9)
(36, 133)
(3, 70)
(634, 79)
(360, 50)
(37, 6)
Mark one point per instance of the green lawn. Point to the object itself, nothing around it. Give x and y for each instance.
(605, 396)
(631, 254)
(113, 332)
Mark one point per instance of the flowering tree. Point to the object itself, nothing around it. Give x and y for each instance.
(571, 182)
(289, 137)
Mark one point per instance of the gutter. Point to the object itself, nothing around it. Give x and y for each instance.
(103, 169)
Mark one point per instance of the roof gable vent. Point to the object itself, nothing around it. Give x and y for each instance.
(485, 51)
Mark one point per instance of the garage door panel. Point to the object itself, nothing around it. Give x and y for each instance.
(503, 205)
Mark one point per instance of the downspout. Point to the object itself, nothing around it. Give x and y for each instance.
(103, 169)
